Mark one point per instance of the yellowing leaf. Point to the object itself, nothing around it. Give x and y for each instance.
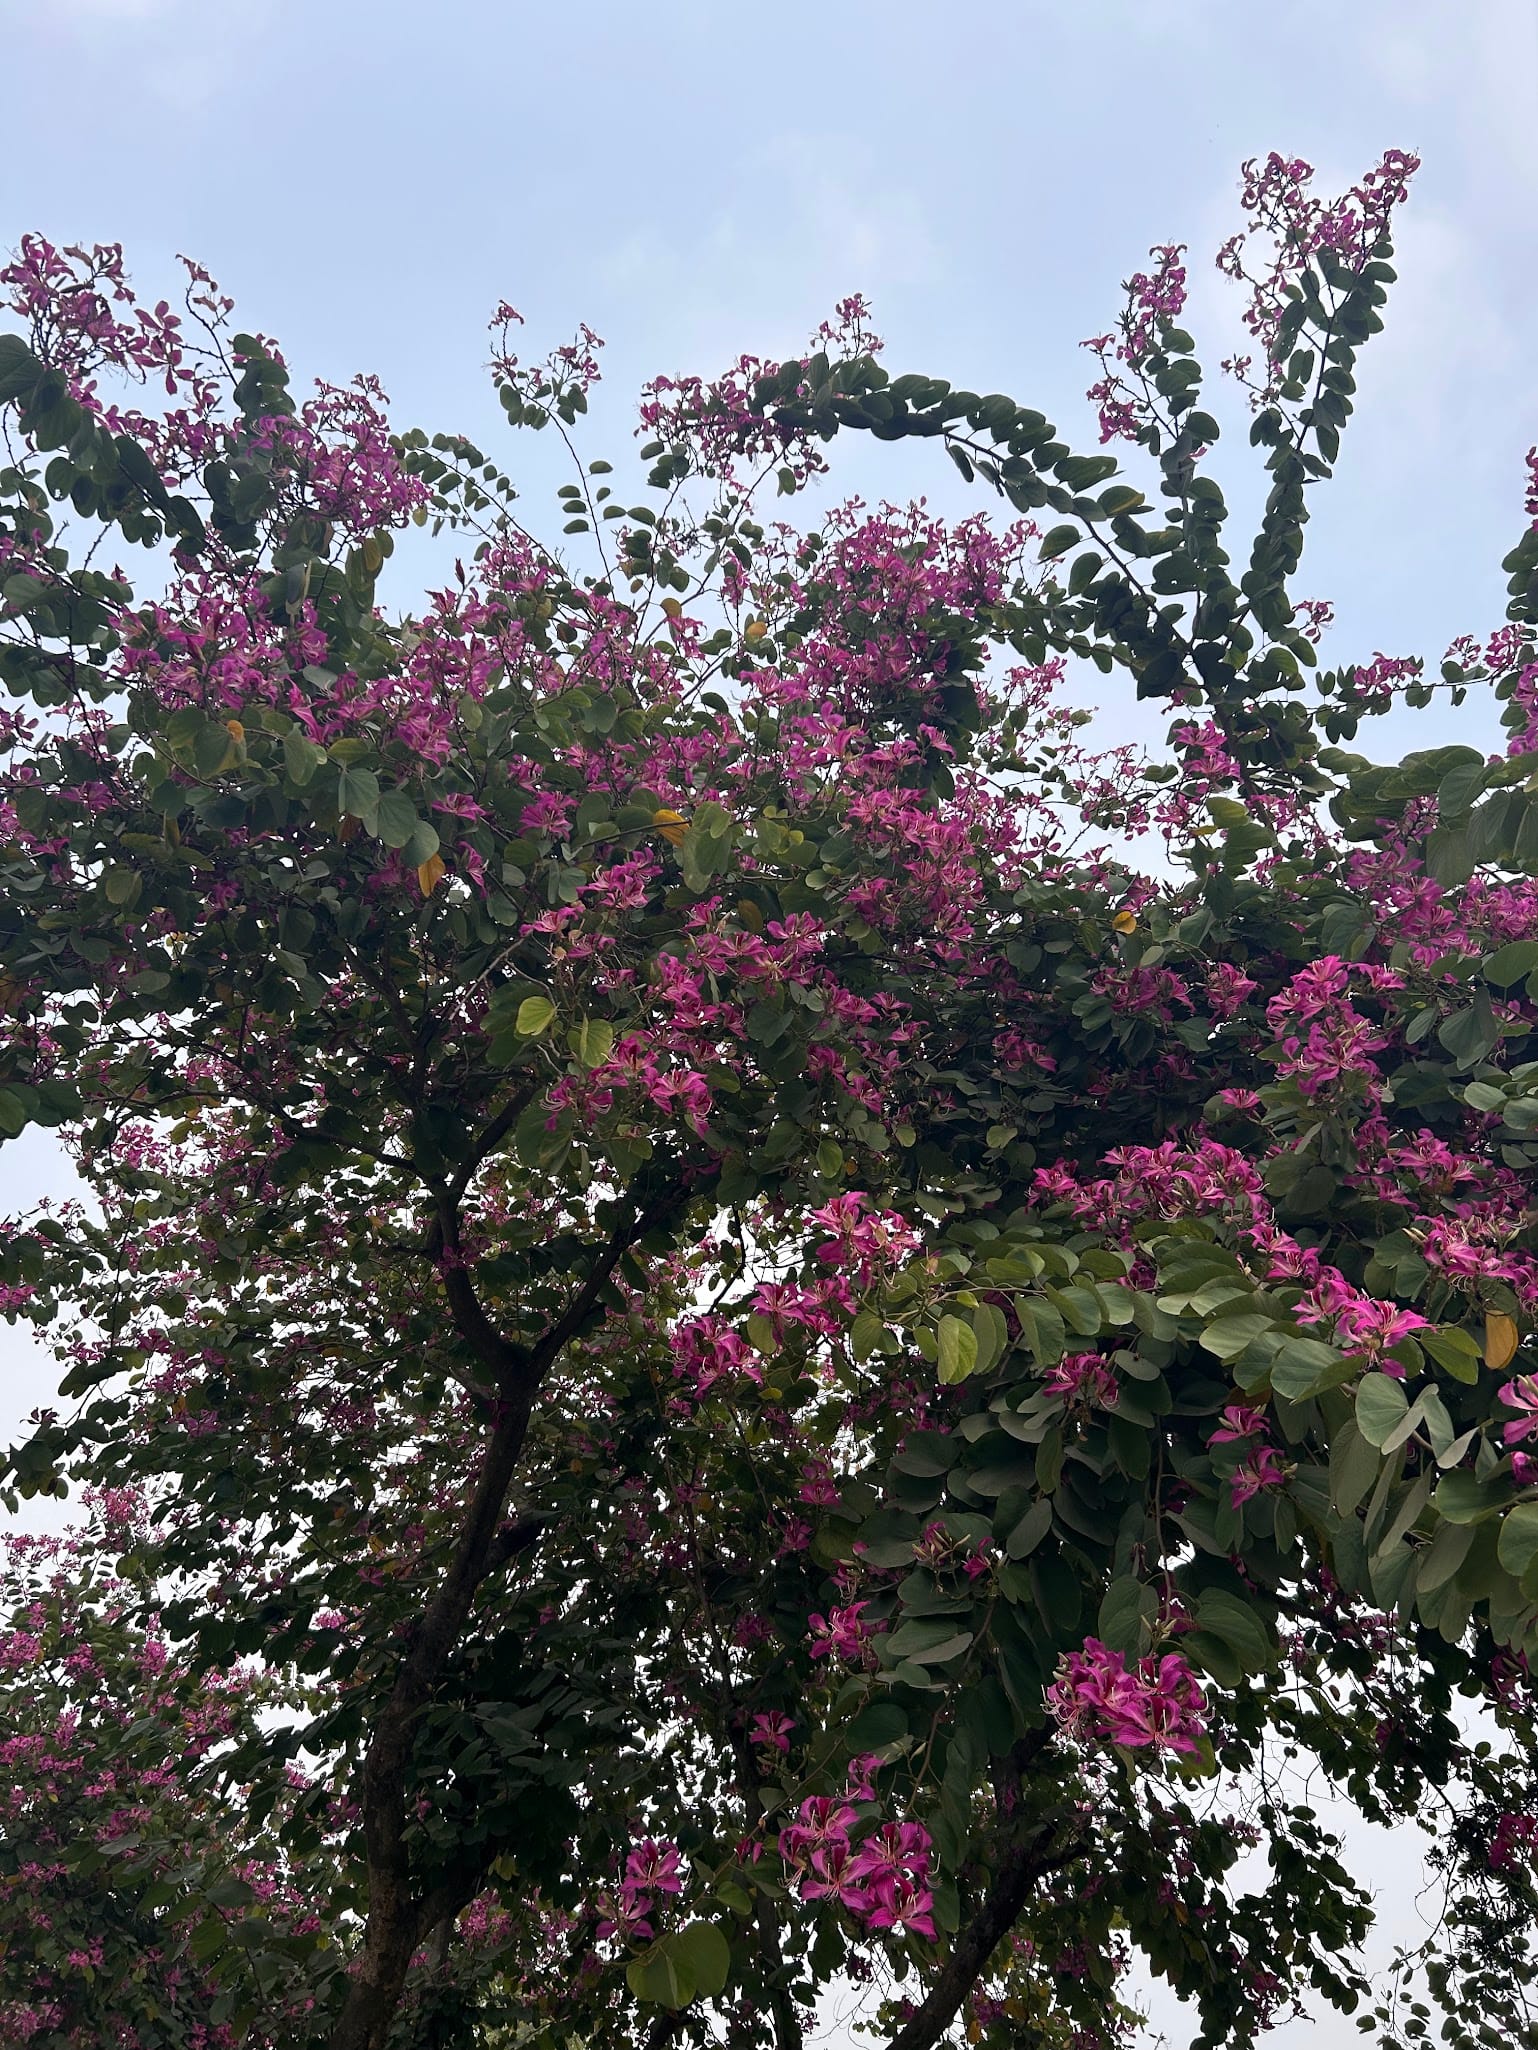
(672, 607)
(1125, 921)
(236, 731)
(431, 873)
(671, 825)
(1500, 1340)
(534, 1014)
(755, 629)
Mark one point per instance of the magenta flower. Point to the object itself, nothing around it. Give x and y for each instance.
(1522, 1395)
(771, 1731)
(654, 1866)
(1085, 1378)
(1158, 1705)
(843, 1634)
(1262, 1470)
(1237, 1423)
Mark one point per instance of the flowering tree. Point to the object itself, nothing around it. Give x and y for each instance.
(717, 1350)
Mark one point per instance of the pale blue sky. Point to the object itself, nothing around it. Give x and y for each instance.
(699, 179)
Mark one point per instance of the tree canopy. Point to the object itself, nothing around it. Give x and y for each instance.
(749, 1321)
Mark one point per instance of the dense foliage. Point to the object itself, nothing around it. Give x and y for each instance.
(746, 1323)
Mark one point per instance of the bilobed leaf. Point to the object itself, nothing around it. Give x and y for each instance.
(592, 1041)
(1461, 1498)
(1443, 1556)
(877, 1726)
(1305, 1366)
(1501, 1338)
(932, 1640)
(19, 368)
(1229, 1336)
(396, 818)
(1030, 1530)
(660, 1977)
(1456, 1351)
(992, 1335)
(1127, 1606)
(1518, 1546)
(1225, 1616)
(1381, 1404)
(958, 1349)
(534, 1014)
(1510, 964)
(705, 1955)
(357, 794)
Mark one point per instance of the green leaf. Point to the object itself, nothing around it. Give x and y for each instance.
(932, 1640)
(1461, 1498)
(660, 1977)
(1510, 964)
(357, 795)
(592, 1041)
(705, 1955)
(396, 818)
(1518, 1546)
(1443, 1556)
(1127, 1606)
(534, 1014)
(992, 1335)
(1457, 1352)
(1469, 1034)
(1229, 1336)
(1057, 541)
(958, 1349)
(1236, 1624)
(1030, 1530)
(1381, 1405)
(1305, 1366)
(301, 757)
(1042, 1328)
(19, 368)
(876, 1726)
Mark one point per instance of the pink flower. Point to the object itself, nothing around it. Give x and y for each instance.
(654, 1866)
(1262, 1470)
(1083, 1377)
(1237, 1423)
(843, 1634)
(1521, 1395)
(1157, 1706)
(771, 1731)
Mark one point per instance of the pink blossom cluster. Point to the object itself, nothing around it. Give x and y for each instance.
(722, 421)
(1324, 1043)
(1200, 1179)
(651, 1871)
(1154, 302)
(844, 1636)
(1156, 1704)
(1295, 225)
(882, 1879)
(865, 1241)
(1086, 1379)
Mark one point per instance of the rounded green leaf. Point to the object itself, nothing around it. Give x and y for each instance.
(1381, 1406)
(534, 1014)
(704, 1954)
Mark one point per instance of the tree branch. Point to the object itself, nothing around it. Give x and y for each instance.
(396, 1919)
(1027, 1860)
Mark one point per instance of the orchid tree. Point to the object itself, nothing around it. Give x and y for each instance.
(750, 1328)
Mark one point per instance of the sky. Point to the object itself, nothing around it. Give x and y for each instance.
(697, 180)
